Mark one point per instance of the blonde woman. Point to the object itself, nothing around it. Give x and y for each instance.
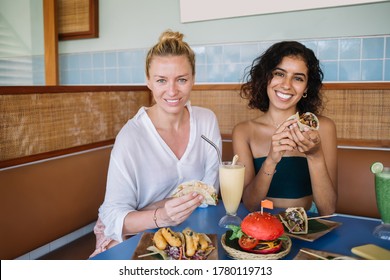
(158, 149)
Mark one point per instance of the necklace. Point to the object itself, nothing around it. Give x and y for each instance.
(276, 125)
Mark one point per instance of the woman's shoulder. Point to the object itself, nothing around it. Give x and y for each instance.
(327, 128)
(248, 127)
(203, 115)
(134, 128)
(202, 111)
(326, 122)
(255, 123)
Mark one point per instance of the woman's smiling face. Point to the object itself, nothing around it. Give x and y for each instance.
(288, 83)
(171, 81)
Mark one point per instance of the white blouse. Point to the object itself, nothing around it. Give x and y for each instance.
(143, 169)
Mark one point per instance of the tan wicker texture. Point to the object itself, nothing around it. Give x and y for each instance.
(358, 114)
(73, 16)
(241, 255)
(37, 123)
(42, 122)
(229, 107)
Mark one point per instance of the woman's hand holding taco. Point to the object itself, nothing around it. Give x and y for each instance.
(210, 196)
(177, 210)
(304, 132)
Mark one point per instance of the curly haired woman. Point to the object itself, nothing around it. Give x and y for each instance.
(290, 166)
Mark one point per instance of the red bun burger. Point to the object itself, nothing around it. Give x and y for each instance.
(260, 233)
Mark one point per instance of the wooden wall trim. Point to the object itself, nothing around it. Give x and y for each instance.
(357, 86)
(50, 42)
(9, 90)
(53, 154)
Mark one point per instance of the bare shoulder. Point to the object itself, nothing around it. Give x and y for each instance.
(328, 131)
(242, 126)
(245, 127)
(326, 124)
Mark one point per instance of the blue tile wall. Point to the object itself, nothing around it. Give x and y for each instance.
(387, 48)
(373, 48)
(350, 48)
(342, 60)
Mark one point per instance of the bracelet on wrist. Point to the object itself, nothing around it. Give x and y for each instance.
(155, 217)
(266, 173)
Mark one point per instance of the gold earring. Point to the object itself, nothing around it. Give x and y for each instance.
(304, 95)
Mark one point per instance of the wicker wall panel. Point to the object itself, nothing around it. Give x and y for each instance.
(358, 114)
(73, 16)
(229, 107)
(37, 123)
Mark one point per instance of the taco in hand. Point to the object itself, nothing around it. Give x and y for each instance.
(307, 119)
(207, 191)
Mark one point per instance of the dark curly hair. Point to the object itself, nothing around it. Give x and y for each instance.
(259, 74)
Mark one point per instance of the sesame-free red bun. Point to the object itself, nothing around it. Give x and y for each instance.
(261, 233)
(262, 226)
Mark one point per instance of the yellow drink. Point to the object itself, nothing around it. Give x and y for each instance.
(231, 179)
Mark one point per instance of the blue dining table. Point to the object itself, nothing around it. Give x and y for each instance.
(353, 231)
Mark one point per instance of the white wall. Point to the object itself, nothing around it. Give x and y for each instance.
(199, 10)
(137, 24)
(24, 20)
(131, 24)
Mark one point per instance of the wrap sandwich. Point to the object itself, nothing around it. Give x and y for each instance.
(207, 191)
(295, 220)
(307, 119)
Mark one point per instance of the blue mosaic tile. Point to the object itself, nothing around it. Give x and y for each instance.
(373, 48)
(387, 55)
(328, 49)
(86, 77)
(111, 76)
(372, 70)
(124, 75)
(200, 55)
(231, 54)
(110, 59)
(248, 53)
(350, 48)
(387, 70)
(85, 61)
(98, 76)
(214, 55)
(349, 70)
(124, 58)
(98, 60)
(330, 70)
(215, 73)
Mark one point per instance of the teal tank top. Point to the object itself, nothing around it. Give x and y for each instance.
(291, 180)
